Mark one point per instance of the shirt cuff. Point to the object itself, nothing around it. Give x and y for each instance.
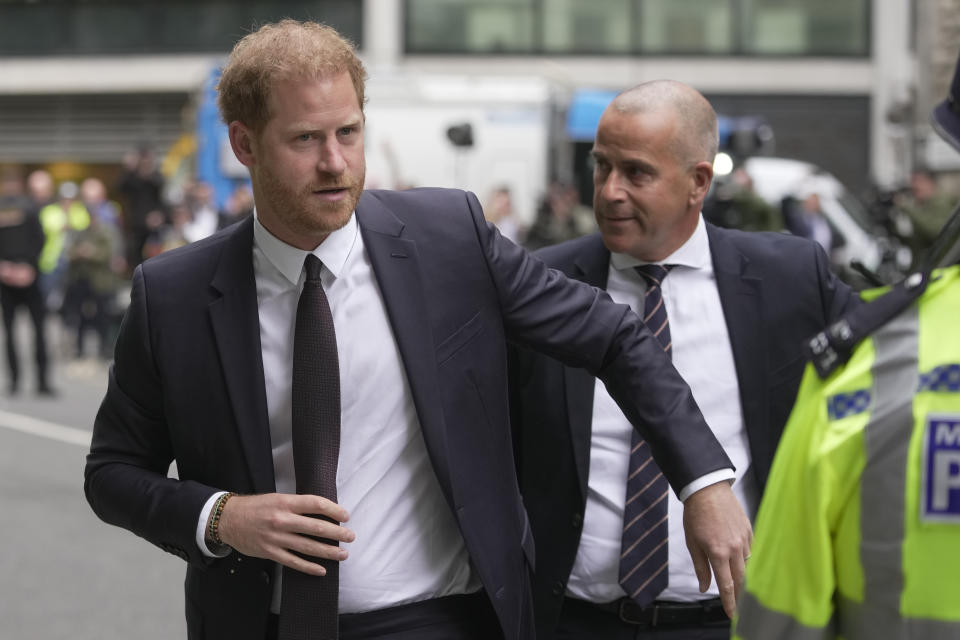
(202, 529)
(704, 481)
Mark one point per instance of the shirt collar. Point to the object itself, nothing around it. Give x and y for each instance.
(694, 253)
(333, 251)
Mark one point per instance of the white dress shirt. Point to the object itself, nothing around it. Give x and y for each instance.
(408, 547)
(703, 356)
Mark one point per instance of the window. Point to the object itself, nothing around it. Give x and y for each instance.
(478, 26)
(798, 27)
(599, 26)
(51, 27)
(632, 27)
(687, 26)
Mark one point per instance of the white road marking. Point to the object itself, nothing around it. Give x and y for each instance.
(44, 429)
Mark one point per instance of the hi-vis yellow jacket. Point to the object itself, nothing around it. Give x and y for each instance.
(858, 533)
(57, 223)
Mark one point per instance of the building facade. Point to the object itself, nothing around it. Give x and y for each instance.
(842, 83)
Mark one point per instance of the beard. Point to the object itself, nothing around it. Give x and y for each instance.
(301, 211)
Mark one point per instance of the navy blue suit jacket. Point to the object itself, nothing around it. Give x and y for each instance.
(776, 290)
(187, 385)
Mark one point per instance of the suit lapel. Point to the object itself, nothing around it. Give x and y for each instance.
(742, 300)
(591, 265)
(395, 262)
(236, 328)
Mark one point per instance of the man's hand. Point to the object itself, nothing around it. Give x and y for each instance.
(274, 525)
(718, 534)
(17, 274)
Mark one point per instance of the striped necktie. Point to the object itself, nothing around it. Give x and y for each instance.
(643, 550)
(309, 604)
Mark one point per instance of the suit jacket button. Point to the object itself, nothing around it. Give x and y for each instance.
(558, 588)
(577, 520)
(265, 576)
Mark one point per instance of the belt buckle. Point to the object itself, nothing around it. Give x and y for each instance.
(628, 607)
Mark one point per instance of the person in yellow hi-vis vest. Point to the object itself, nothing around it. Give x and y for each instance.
(59, 220)
(858, 533)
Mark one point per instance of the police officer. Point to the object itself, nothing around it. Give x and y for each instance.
(21, 240)
(859, 530)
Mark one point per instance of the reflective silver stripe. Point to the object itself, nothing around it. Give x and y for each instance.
(759, 623)
(907, 628)
(883, 483)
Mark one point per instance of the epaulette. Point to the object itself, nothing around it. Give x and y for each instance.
(834, 345)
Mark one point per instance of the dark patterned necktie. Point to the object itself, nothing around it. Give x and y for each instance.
(308, 608)
(643, 550)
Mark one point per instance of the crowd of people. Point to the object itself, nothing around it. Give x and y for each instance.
(68, 250)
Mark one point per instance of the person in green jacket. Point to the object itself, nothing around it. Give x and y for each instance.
(858, 532)
(927, 207)
(91, 284)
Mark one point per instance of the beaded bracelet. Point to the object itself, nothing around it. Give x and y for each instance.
(213, 529)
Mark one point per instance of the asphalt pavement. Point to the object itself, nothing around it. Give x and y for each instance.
(66, 574)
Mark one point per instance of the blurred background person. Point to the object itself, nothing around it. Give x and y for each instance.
(93, 195)
(158, 226)
(141, 185)
(21, 241)
(204, 216)
(736, 205)
(927, 207)
(90, 286)
(169, 235)
(40, 188)
(498, 209)
(805, 218)
(560, 217)
(60, 220)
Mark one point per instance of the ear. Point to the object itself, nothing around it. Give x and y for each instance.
(701, 177)
(242, 141)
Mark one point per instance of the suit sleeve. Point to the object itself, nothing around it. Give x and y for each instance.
(581, 326)
(126, 479)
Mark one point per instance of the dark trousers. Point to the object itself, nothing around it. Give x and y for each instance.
(463, 617)
(30, 297)
(84, 308)
(581, 620)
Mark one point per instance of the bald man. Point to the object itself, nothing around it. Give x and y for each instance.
(731, 308)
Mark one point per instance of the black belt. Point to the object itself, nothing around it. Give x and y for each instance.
(660, 613)
(473, 607)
